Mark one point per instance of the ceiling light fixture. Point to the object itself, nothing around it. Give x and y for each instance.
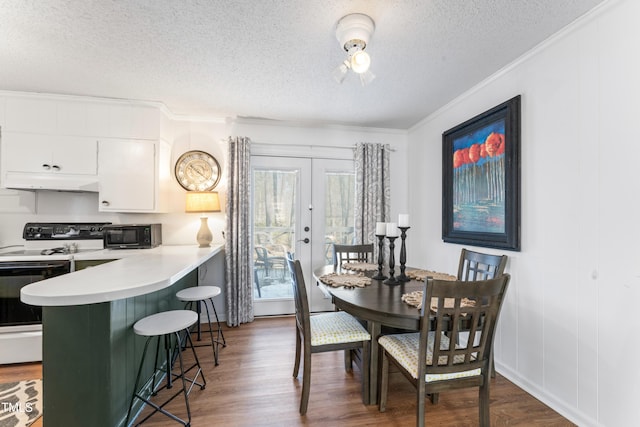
(353, 32)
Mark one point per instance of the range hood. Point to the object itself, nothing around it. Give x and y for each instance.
(50, 181)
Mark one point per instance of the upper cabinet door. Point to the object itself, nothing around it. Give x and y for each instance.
(127, 175)
(76, 155)
(37, 153)
(26, 152)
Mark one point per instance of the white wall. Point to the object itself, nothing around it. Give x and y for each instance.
(566, 329)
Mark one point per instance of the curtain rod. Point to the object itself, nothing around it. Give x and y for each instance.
(309, 145)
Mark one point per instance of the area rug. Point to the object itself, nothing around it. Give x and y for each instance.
(20, 403)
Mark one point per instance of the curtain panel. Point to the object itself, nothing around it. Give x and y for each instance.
(373, 194)
(238, 253)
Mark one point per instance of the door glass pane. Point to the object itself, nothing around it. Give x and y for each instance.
(339, 211)
(274, 221)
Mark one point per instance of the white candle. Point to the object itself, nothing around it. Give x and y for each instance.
(381, 228)
(392, 229)
(403, 220)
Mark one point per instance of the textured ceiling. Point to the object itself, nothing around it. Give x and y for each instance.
(270, 59)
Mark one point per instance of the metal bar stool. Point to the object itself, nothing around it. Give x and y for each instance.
(166, 325)
(200, 295)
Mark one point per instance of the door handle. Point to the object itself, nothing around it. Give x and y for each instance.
(306, 240)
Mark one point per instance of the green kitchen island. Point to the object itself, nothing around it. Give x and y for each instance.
(90, 354)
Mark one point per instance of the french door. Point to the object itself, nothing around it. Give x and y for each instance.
(301, 206)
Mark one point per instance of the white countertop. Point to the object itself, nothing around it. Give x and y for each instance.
(136, 272)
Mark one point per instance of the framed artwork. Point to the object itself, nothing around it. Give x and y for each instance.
(481, 179)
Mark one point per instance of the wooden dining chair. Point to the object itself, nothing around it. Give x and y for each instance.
(260, 262)
(352, 253)
(480, 266)
(435, 363)
(324, 332)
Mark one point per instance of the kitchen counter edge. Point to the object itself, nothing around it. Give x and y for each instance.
(135, 272)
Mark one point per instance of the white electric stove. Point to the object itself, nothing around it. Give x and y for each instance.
(47, 252)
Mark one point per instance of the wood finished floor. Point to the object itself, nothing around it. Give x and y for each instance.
(253, 386)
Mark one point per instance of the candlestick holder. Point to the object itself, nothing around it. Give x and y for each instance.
(403, 255)
(380, 276)
(391, 280)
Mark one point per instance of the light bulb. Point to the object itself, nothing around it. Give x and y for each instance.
(360, 62)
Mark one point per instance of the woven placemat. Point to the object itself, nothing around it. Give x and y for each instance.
(347, 280)
(423, 274)
(414, 299)
(359, 266)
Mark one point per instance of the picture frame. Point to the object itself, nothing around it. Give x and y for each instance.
(481, 179)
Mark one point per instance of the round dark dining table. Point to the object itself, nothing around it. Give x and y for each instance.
(379, 305)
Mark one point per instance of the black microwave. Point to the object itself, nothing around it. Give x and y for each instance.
(132, 236)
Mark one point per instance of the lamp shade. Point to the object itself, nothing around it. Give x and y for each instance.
(202, 201)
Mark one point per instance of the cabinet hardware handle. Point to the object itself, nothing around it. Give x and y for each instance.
(105, 203)
(46, 166)
(56, 167)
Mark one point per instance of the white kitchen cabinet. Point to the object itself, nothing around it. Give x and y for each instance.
(132, 175)
(134, 121)
(54, 162)
(26, 152)
(31, 114)
(108, 120)
(80, 116)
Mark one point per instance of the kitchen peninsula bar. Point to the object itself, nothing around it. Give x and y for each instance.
(90, 353)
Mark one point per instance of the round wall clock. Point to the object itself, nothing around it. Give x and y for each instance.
(197, 171)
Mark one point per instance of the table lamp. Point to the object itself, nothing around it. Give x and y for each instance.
(202, 202)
